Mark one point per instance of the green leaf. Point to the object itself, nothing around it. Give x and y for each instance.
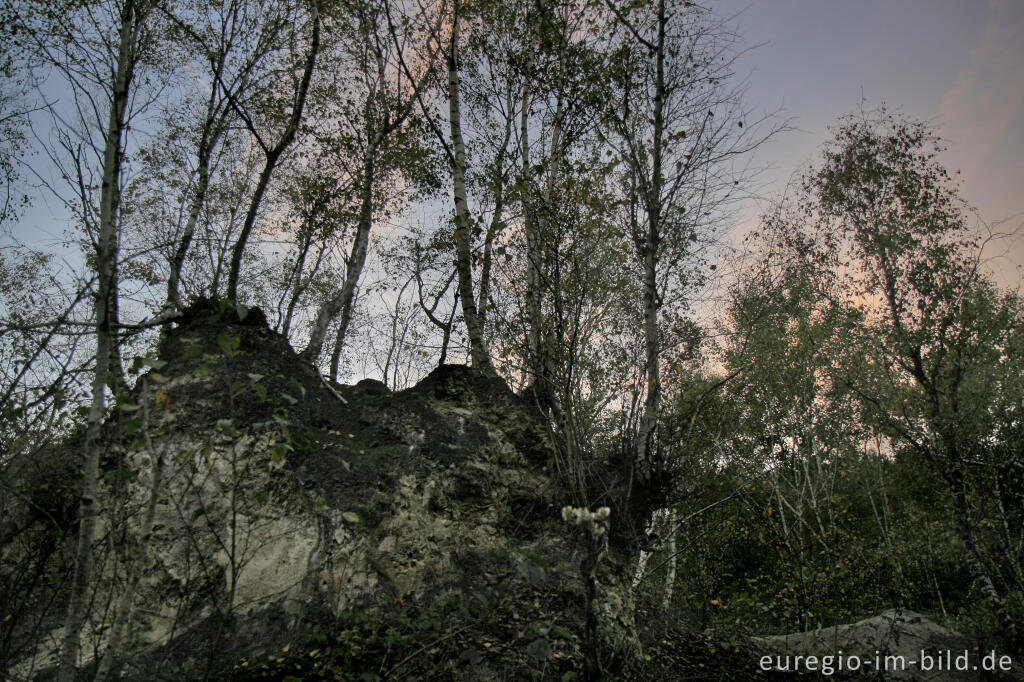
(132, 426)
(278, 451)
(228, 343)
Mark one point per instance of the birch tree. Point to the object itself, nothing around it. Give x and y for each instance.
(273, 147)
(376, 130)
(675, 126)
(233, 44)
(99, 50)
(462, 235)
(930, 359)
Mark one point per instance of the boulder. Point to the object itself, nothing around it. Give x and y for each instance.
(347, 532)
(896, 644)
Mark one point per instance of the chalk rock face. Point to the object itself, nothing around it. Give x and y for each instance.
(287, 505)
(897, 644)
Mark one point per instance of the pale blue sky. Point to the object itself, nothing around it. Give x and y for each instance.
(956, 63)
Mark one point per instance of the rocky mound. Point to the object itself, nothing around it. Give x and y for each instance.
(335, 532)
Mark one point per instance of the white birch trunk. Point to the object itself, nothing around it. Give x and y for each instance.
(106, 265)
(645, 466)
(124, 606)
(479, 355)
(670, 575)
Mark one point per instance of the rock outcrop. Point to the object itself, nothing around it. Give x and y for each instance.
(897, 644)
(347, 532)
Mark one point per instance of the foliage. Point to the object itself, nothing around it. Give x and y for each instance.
(851, 463)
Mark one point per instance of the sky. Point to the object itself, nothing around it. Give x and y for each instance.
(957, 64)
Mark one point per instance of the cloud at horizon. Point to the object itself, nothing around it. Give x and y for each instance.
(987, 97)
(953, 64)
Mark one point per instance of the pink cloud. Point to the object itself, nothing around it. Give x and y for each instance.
(988, 93)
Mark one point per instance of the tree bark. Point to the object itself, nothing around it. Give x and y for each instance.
(533, 255)
(645, 466)
(305, 240)
(975, 564)
(670, 576)
(132, 15)
(345, 298)
(378, 128)
(479, 355)
(207, 140)
(273, 155)
(445, 327)
(495, 226)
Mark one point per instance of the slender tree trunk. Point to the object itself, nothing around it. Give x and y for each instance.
(379, 125)
(495, 226)
(641, 567)
(273, 155)
(665, 517)
(305, 240)
(645, 555)
(479, 355)
(345, 298)
(975, 564)
(207, 141)
(445, 327)
(116, 380)
(106, 341)
(652, 403)
(533, 254)
(670, 575)
(644, 456)
(485, 271)
(301, 288)
(339, 337)
(124, 606)
(446, 332)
